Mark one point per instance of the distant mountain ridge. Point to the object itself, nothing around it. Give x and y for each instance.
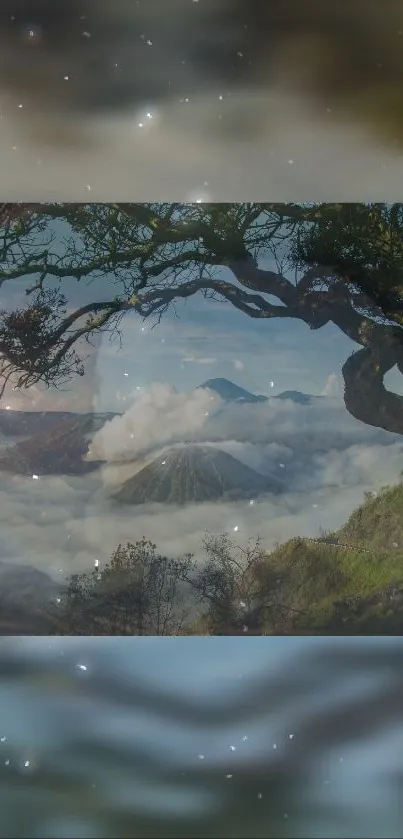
(230, 392)
(192, 474)
(297, 396)
(59, 451)
(28, 423)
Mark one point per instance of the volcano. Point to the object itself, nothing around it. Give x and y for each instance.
(192, 474)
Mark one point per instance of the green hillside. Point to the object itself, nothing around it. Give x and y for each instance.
(351, 579)
(378, 523)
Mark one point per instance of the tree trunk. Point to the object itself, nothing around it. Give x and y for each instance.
(365, 395)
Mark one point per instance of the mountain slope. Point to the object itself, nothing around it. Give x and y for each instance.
(194, 474)
(351, 580)
(28, 600)
(30, 423)
(60, 451)
(230, 392)
(378, 523)
(297, 396)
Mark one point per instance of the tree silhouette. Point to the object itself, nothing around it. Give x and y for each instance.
(138, 592)
(337, 263)
(233, 591)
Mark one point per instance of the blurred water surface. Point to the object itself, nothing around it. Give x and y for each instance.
(227, 737)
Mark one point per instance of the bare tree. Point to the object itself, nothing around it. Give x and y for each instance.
(242, 592)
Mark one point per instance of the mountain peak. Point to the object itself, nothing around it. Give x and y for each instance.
(296, 396)
(191, 474)
(230, 392)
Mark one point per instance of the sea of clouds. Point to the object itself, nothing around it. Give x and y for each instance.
(324, 457)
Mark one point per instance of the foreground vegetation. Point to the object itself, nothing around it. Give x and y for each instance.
(349, 581)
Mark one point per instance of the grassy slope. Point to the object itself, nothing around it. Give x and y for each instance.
(378, 523)
(316, 577)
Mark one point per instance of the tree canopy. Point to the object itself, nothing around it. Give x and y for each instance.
(336, 263)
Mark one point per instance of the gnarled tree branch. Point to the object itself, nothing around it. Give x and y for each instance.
(160, 253)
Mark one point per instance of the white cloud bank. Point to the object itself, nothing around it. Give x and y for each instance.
(158, 416)
(325, 457)
(161, 417)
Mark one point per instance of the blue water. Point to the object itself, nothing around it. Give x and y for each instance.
(228, 737)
